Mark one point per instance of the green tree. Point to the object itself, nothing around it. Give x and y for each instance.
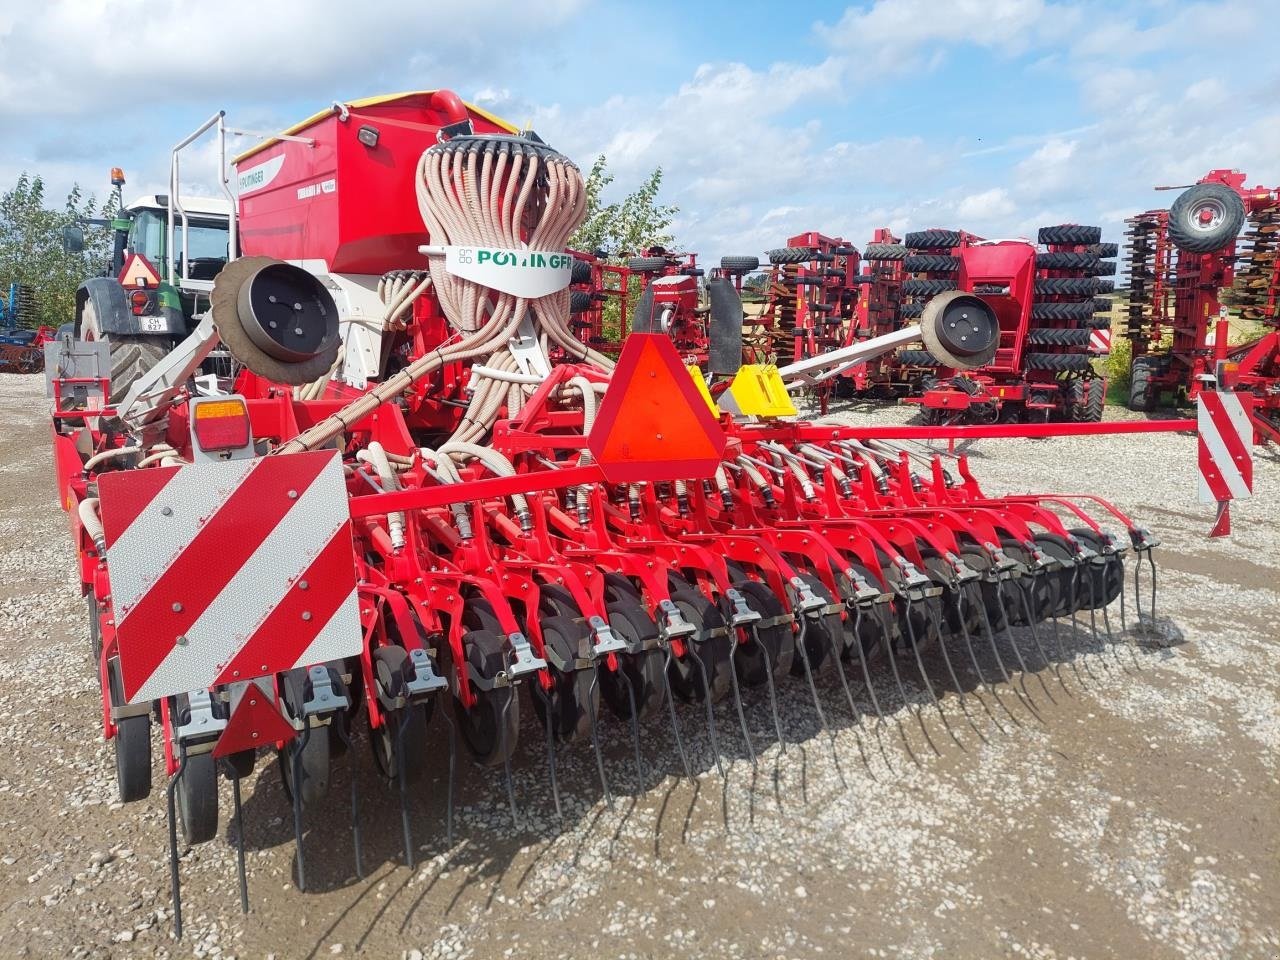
(628, 226)
(31, 251)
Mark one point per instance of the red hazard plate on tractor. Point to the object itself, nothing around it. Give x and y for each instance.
(228, 571)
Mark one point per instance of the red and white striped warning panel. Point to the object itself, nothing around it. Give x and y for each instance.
(1226, 446)
(1100, 340)
(229, 571)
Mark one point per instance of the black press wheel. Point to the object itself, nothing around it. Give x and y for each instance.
(132, 745)
(574, 697)
(775, 648)
(400, 744)
(709, 645)
(489, 726)
(197, 798)
(311, 746)
(641, 669)
(823, 635)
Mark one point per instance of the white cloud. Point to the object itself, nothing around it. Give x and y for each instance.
(989, 206)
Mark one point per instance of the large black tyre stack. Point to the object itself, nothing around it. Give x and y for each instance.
(929, 268)
(1065, 311)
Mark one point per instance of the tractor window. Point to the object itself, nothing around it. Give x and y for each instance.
(147, 237)
(208, 240)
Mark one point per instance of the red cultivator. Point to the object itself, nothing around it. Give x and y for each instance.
(455, 499)
(1184, 272)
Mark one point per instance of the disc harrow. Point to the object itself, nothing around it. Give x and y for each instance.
(507, 521)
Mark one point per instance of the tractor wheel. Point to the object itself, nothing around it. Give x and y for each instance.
(393, 751)
(1142, 393)
(1085, 400)
(132, 355)
(932, 240)
(712, 650)
(1205, 218)
(931, 263)
(647, 264)
(775, 650)
(1067, 260)
(132, 744)
(926, 288)
(1069, 233)
(884, 251)
(739, 264)
(641, 670)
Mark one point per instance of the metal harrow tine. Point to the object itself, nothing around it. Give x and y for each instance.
(1023, 591)
(595, 738)
(924, 675)
(808, 672)
(238, 815)
(551, 749)
(973, 658)
(906, 702)
(871, 690)
(671, 709)
(853, 709)
(1022, 694)
(773, 696)
(296, 763)
(711, 714)
(737, 698)
(1075, 623)
(635, 726)
(453, 758)
(356, 836)
(1062, 651)
(936, 618)
(402, 788)
(175, 883)
(1017, 651)
(506, 757)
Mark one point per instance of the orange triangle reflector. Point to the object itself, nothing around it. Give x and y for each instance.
(255, 722)
(652, 423)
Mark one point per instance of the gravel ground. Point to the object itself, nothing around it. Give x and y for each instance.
(1131, 814)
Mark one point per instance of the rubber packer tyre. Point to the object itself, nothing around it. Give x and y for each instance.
(581, 271)
(574, 695)
(789, 255)
(1059, 362)
(1069, 233)
(932, 239)
(884, 251)
(712, 651)
(1142, 395)
(926, 288)
(315, 753)
(739, 264)
(1190, 233)
(916, 358)
(647, 264)
(132, 355)
(1066, 287)
(1059, 338)
(197, 799)
(931, 263)
(132, 745)
(1067, 260)
(1062, 311)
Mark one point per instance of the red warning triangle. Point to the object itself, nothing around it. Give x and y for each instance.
(255, 722)
(652, 423)
(136, 268)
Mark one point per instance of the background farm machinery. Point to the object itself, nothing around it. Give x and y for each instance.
(1188, 266)
(429, 490)
(21, 345)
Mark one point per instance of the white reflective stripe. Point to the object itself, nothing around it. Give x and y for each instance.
(257, 588)
(150, 544)
(335, 640)
(1213, 442)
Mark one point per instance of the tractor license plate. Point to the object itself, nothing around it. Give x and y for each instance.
(153, 325)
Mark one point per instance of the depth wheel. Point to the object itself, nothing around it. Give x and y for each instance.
(709, 645)
(772, 648)
(574, 697)
(132, 745)
(489, 727)
(315, 752)
(395, 751)
(197, 799)
(634, 627)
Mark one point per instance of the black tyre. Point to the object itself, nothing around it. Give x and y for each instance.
(931, 263)
(1069, 233)
(910, 311)
(574, 697)
(1062, 311)
(739, 264)
(1102, 304)
(824, 635)
(916, 358)
(314, 772)
(132, 745)
(1205, 218)
(1108, 578)
(884, 251)
(1059, 362)
(1142, 394)
(926, 288)
(647, 264)
(1105, 250)
(790, 255)
(132, 355)
(1066, 287)
(400, 744)
(581, 271)
(579, 301)
(197, 799)
(709, 645)
(490, 726)
(776, 647)
(1103, 268)
(642, 670)
(1067, 260)
(1104, 285)
(932, 239)
(1059, 338)
(1098, 321)
(1085, 399)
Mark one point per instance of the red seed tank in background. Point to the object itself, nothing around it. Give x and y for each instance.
(340, 198)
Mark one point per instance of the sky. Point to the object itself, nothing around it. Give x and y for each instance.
(768, 119)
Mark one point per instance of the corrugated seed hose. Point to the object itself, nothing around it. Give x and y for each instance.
(482, 191)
